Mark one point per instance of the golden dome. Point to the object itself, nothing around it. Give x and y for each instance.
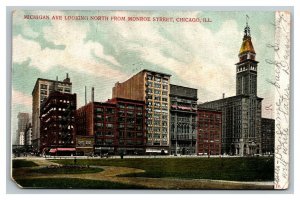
(247, 45)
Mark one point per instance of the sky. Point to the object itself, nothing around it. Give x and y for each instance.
(100, 53)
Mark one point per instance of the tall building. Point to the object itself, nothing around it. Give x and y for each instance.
(209, 126)
(183, 114)
(22, 138)
(98, 120)
(57, 127)
(241, 114)
(41, 90)
(28, 134)
(118, 126)
(267, 136)
(131, 137)
(153, 88)
(23, 121)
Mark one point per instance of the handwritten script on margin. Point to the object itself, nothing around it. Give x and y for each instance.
(281, 64)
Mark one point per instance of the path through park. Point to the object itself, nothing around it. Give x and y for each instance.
(110, 173)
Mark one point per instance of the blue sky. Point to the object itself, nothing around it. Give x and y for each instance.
(100, 53)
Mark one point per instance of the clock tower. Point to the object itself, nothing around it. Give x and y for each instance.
(246, 68)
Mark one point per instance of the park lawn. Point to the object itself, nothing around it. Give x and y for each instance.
(23, 163)
(73, 183)
(234, 169)
(66, 170)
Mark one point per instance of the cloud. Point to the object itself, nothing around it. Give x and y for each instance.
(195, 54)
(21, 99)
(77, 55)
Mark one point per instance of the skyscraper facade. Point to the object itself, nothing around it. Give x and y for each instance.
(153, 88)
(57, 121)
(183, 116)
(23, 121)
(267, 135)
(41, 90)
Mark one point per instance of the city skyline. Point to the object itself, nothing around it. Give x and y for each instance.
(204, 61)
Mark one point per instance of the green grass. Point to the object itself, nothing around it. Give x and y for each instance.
(73, 183)
(23, 163)
(66, 170)
(235, 169)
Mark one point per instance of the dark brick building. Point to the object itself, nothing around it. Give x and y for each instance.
(58, 121)
(98, 120)
(131, 133)
(267, 135)
(209, 129)
(118, 126)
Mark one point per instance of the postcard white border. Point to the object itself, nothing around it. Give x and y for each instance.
(6, 80)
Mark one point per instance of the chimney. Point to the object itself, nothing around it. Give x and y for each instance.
(223, 95)
(67, 79)
(56, 84)
(92, 94)
(85, 94)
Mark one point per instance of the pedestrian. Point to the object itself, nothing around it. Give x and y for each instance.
(75, 161)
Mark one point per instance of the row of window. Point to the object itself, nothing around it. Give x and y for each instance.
(130, 107)
(157, 79)
(63, 142)
(157, 85)
(106, 110)
(157, 92)
(121, 142)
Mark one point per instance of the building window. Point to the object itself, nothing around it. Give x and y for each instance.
(158, 79)
(165, 93)
(99, 124)
(149, 84)
(149, 77)
(149, 90)
(44, 92)
(60, 89)
(110, 110)
(109, 126)
(43, 86)
(99, 109)
(157, 98)
(67, 90)
(156, 92)
(157, 85)
(139, 108)
(130, 107)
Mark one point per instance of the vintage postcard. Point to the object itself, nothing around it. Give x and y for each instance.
(150, 99)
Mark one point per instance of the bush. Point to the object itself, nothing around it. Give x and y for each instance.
(23, 163)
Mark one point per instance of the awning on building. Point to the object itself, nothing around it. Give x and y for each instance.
(53, 151)
(66, 149)
(156, 150)
(184, 108)
(104, 148)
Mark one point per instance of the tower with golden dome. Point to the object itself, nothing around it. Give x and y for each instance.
(246, 68)
(241, 114)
